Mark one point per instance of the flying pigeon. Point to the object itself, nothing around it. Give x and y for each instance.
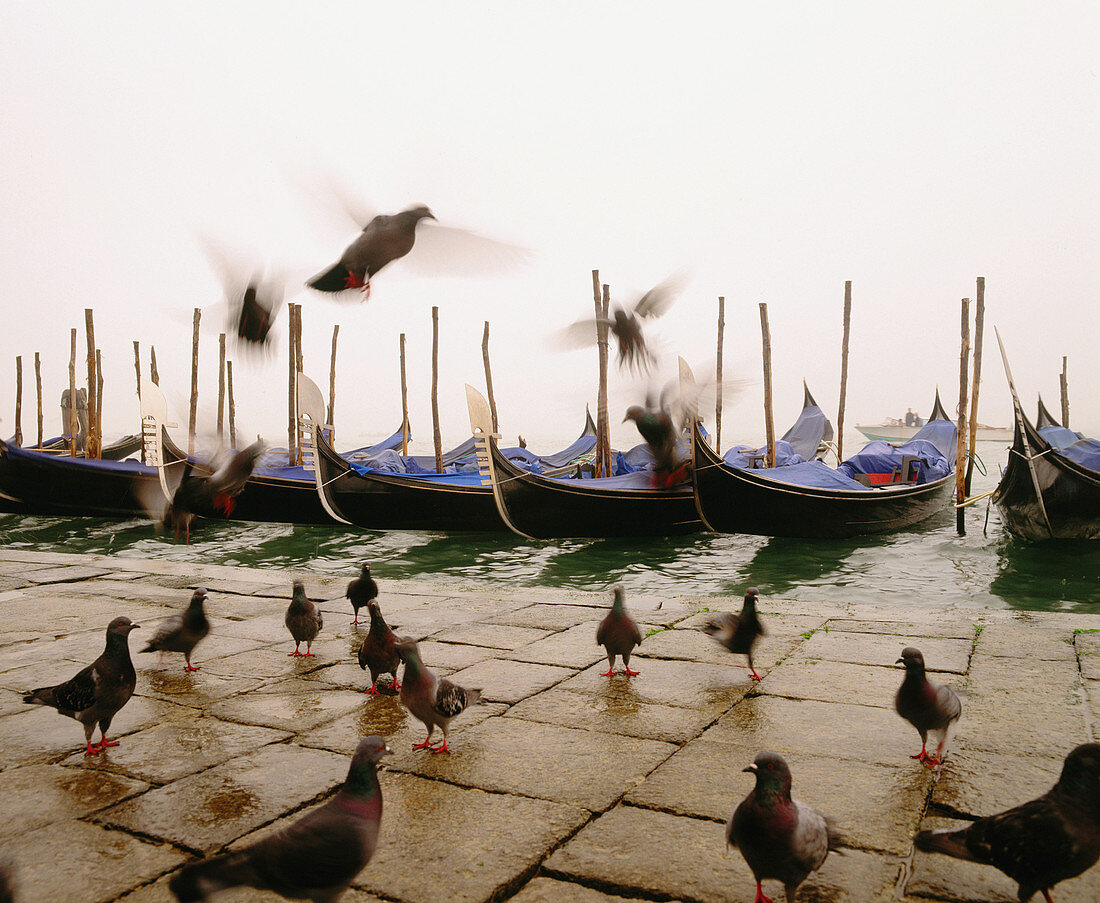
(315, 858)
(254, 293)
(929, 708)
(618, 634)
(738, 633)
(303, 620)
(360, 591)
(432, 699)
(780, 838)
(659, 430)
(383, 240)
(95, 695)
(213, 495)
(253, 314)
(1042, 842)
(379, 649)
(626, 325)
(182, 632)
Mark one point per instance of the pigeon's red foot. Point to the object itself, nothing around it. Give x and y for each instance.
(355, 620)
(295, 654)
(610, 672)
(396, 685)
(190, 667)
(353, 280)
(307, 655)
(371, 690)
(760, 898)
(104, 743)
(427, 744)
(754, 675)
(441, 748)
(630, 673)
(933, 761)
(91, 750)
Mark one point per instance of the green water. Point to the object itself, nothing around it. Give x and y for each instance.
(927, 565)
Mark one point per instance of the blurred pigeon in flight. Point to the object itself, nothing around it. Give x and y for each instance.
(618, 633)
(626, 325)
(95, 695)
(928, 707)
(780, 838)
(431, 699)
(315, 858)
(360, 591)
(303, 620)
(254, 300)
(659, 430)
(1042, 842)
(210, 495)
(738, 633)
(183, 632)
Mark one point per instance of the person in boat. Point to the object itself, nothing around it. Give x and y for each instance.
(910, 418)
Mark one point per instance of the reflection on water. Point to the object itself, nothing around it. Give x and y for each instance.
(927, 564)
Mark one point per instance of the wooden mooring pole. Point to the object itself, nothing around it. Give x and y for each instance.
(435, 392)
(192, 420)
(292, 384)
(38, 387)
(232, 410)
(844, 369)
(1063, 391)
(976, 378)
(404, 401)
(718, 376)
(99, 401)
(18, 399)
(331, 419)
(489, 377)
(154, 374)
(221, 386)
(602, 462)
(769, 422)
(73, 422)
(960, 453)
(93, 444)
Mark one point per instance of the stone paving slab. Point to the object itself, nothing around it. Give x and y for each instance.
(69, 615)
(76, 862)
(933, 624)
(882, 816)
(574, 647)
(613, 714)
(206, 811)
(696, 646)
(885, 649)
(664, 856)
(1027, 641)
(550, 617)
(36, 795)
(709, 688)
(547, 890)
(826, 681)
(501, 680)
(289, 711)
(195, 689)
(497, 636)
(67, 574)
(547, 761)
(158, 892)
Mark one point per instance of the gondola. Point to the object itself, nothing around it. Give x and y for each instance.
(1050, 487)
(368, 498)
(880, 489)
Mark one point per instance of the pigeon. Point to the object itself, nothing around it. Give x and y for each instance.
(626, 325)
(303, 620)
(618, 634)
(183, 632)
(253, 314)
(360, 591)
(1042, 842)
(379, 649)
(432, 699)
(738, 633)
(656, 424)
(929, 708)
(213, 495)
(95, 695)
(780, 838)
(383, 240)
(315, 858)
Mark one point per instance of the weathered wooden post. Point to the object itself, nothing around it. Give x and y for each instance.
(844, 369)
(960, 453)
(1063, 391)
(137, 367)
(18, 399)
(976, 379)
(93, 444)
(292, 384)
(718, 376)
(154, 374)
(99, 400)
(192, 420)
(600, 300)
(332, 386)
(489, 377)
(38, 386)
(73, 422)
(435, 392)
(769, 422)
(404, 402)
(232, 410)
(221, 385)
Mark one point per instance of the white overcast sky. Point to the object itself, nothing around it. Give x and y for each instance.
(771, 150)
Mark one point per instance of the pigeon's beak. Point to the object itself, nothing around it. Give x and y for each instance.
(387, 750)
(900, 661)
(751, 768)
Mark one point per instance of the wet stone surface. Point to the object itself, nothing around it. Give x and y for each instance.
(563, 785)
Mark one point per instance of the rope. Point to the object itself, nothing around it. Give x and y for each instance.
(978, 462)
(975, 498)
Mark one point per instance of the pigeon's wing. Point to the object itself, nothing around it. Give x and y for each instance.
(168, 628)
(453, 251)
(947, 703)
(659, 299)
(319, 616)
(325, 849)
(603, 632)
(450, 698)
(722, 626)
(810, 839)
(79, 692)
(1023, 842)
(581, 334)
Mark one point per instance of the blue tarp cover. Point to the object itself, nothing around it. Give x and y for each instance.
(815, 474)
(744, 455)
(806, 434)
(1058, 436)
(1085, 452)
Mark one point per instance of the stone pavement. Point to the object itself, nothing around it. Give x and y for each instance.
(564, 785)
